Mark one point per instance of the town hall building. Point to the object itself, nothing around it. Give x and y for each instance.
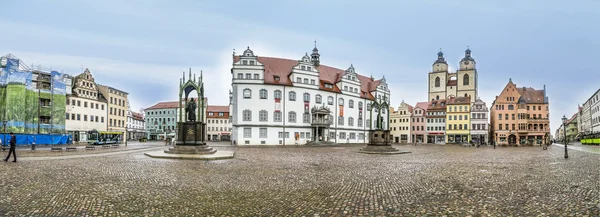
(277, 101)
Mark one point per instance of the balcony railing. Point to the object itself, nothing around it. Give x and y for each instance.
(321, 121)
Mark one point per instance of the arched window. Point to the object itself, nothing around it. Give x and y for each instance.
(247, 115)
(466, 79)
(330, 100)
(360, 105)
(318, 99)
(437, 97)
(262, 115)
(466, 95)
(247, 93)
(437, 81)
(292, 96)
(351, 103)
(306, 97)
(341, 101)
(263, 93)
(277, 94)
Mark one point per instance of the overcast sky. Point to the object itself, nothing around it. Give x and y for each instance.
(142, 47)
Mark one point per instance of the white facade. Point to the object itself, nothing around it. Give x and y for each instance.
(218, 129)
(594, 107)
(136, 128)
(436, 122)
(86, 108)
(479, 122)
(83, 115)
(264, 112)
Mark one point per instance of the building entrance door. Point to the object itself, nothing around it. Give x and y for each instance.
(512, 140)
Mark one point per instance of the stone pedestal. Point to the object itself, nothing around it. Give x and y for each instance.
(190, 139)
(379, 143)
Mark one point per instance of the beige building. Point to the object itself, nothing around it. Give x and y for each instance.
(118, 105)
(462, 83)
(400, 123)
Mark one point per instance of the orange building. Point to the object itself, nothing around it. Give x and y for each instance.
(520, 116)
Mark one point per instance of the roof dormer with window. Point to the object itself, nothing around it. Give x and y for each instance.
(247, 68)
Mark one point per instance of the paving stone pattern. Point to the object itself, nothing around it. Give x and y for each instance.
(310, 181)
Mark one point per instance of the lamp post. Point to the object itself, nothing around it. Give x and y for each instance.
(4, 140)
(126, 135)
(564, 119)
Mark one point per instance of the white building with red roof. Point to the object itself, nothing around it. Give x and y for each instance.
(218, 124)
(271, 101)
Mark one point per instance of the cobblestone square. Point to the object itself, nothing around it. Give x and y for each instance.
(309, 181)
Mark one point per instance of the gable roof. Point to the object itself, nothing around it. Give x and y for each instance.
(422, 105)
(530, 95)
(327, 75)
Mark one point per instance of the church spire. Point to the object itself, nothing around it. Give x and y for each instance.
(315, 56)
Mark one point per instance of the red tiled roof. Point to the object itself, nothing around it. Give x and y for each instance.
(530, 95)
(283, 68)
(410, 108)
(217, 108)
(422, 105)
(572, 118)
(438, 105)
(459, 100)
(164, 105)
(171, 104)
(137, 116)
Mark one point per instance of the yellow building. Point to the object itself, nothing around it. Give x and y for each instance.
(118, 105)
(457, 120)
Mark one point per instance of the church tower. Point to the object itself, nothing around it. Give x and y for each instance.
(467, 77)
(438, 78)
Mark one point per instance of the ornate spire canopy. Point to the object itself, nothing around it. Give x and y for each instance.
(440, 58)
(468, 55)
(350, 70)
(248, 52)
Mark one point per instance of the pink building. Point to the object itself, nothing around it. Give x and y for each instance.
(418, 123)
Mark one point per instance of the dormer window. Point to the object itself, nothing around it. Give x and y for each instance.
(303, 67)
(328, 86)
(251, 62)
(244, 62)
(276, 78)
(308, 68)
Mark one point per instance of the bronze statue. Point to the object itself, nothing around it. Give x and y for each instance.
(190, 109)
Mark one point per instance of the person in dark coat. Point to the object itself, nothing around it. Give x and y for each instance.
(13, 145)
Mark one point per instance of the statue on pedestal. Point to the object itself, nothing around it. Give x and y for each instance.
(190, 109)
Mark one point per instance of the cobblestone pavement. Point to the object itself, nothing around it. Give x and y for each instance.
(45, 150)
(310, 181)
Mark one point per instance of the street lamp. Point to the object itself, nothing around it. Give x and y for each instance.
(564, 119)
(126, 135)
(4, 140)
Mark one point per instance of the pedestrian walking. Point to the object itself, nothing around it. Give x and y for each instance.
(13, 145)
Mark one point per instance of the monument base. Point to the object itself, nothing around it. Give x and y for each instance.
(188, 149)
(379, 143)
(220, 155)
